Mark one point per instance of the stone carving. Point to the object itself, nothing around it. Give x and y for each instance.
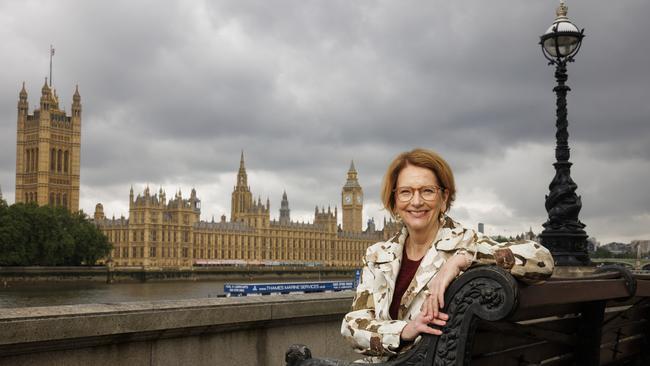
(483, 292)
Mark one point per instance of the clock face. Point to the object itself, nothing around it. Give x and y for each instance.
(359, 199)
(347, 198)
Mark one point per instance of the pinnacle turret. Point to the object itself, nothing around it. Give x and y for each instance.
(76, 97)
(45, 90)
(23, 93)
(285, 217)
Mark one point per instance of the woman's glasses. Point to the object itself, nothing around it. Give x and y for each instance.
(427, 193)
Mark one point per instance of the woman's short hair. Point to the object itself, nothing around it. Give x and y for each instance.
(423, 158)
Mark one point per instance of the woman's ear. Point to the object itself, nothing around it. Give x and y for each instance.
(445, 198)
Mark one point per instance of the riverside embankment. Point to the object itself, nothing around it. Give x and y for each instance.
(16, 275)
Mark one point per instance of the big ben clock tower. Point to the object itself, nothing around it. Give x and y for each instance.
(352, 202)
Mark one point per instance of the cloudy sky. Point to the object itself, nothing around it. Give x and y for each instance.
(173, 91)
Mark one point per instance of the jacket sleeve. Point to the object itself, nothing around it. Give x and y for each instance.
(526, 260)
(370, 333)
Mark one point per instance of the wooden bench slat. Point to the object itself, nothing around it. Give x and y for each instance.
(567, 292)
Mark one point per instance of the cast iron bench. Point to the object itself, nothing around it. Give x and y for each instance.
(600, 319)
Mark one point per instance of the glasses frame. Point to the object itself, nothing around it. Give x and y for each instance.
(419, 190)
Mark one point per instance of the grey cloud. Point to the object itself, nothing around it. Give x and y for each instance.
(173, 93)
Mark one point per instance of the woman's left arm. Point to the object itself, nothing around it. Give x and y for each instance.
(526, 260)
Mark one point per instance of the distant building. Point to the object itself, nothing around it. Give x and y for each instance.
(617, 248)
(530, 235)
(162, 233)
(47, 151)
(592, 244)
(640, 247)
(481, 228)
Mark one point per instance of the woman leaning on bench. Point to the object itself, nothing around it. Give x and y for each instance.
(404, 279)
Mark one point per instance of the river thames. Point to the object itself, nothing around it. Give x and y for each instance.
(49, 293)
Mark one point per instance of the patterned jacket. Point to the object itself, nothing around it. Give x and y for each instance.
(369, 327)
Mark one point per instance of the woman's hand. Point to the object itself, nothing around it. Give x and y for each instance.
(421, 325)
(438, 285)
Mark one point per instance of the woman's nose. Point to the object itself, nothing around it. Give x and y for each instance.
(416, 200)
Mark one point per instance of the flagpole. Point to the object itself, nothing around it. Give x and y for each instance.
(51, 54)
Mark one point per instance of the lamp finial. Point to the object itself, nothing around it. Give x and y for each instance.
(562, 10)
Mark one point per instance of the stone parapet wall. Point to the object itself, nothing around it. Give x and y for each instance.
(223, 331)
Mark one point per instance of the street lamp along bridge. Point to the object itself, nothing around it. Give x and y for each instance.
(563, 233)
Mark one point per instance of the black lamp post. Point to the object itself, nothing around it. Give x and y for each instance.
(563, 233)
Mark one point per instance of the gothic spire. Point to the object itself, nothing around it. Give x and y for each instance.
(23, 92)
(76, 97)
(352, 181)
(45, 90)
(242, 177)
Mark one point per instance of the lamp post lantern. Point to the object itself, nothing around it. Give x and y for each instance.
(563, 233)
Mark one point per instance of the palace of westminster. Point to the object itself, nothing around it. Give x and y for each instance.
(161, 232)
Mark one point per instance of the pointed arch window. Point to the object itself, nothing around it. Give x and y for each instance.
(65, 161)
(52, 160)
(59, 158)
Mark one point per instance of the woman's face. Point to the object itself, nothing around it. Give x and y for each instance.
(419, 214)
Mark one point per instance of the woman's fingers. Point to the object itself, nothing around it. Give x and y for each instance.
(443, 316)
(433, 331)
(433, 299)
(438, 321)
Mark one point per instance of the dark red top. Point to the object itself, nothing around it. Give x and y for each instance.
(406, 273)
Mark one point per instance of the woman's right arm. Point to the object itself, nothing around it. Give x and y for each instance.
(370, 333)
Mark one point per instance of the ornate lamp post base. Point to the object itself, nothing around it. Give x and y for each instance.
(569, 249)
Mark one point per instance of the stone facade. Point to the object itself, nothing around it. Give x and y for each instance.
(160, 233)
(47, 151)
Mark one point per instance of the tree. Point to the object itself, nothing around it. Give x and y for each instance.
(602, 253)
(501, 239)
(48, 236)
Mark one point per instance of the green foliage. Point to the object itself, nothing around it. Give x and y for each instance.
(501, 239)
(604, 253)
(48, 236)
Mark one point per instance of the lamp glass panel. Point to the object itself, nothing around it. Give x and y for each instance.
(565, 45)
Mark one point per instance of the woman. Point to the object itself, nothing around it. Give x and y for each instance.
(404, 279)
